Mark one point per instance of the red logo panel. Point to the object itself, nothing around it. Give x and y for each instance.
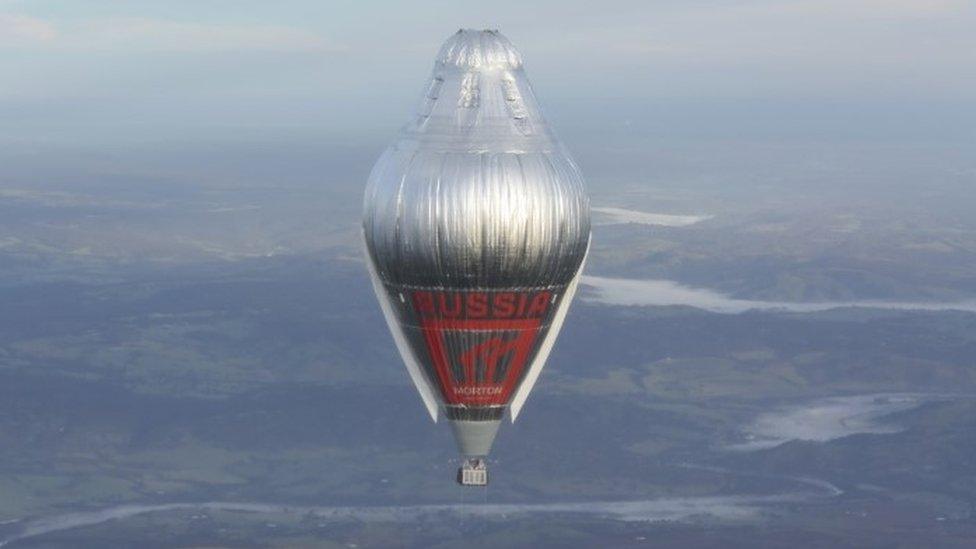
(480, 342)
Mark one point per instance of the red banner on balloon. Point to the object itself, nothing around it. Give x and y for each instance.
(480, 342)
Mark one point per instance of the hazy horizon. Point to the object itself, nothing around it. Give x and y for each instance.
(105, 73)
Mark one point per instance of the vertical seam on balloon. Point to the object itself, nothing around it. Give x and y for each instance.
(397, 229)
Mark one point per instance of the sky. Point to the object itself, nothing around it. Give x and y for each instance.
(103, 72)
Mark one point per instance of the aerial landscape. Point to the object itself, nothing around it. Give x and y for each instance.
(773, 342)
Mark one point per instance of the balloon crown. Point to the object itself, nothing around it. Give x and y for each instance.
(477, 49)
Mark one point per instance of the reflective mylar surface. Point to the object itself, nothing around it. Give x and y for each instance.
(477, 192)
(476, 224)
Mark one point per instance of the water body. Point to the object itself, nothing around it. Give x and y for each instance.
(620, 216)
(638, 292)
(829, 419)
(726, 509)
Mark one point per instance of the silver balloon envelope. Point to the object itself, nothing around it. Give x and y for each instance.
(476, 225)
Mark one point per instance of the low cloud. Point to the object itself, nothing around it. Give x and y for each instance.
(785, 34)
(883, 8)
(25, 30)
(133, 34)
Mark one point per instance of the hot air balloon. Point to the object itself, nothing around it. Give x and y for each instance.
(476, 226)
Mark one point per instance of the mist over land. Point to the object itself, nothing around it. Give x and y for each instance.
(631, 292)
